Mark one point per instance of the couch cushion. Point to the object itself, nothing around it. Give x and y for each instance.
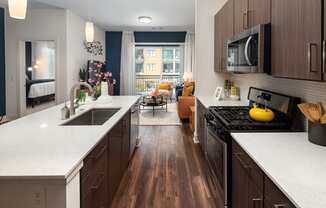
(187, 91)
(164, 86)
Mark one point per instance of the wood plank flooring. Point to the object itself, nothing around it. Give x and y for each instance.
(166, 171)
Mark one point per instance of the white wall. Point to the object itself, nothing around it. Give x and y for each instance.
(77, 54)
(40, 24)
(207, 79)
(60, 25)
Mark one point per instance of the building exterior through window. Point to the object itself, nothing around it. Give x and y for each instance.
(156, 64)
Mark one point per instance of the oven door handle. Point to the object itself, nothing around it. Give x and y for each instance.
(247, 51)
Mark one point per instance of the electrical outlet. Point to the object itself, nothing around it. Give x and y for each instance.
(38, 198)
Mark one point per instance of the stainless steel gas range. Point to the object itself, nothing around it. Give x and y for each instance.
(223, 120)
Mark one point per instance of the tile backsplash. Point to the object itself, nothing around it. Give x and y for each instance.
(306, 90)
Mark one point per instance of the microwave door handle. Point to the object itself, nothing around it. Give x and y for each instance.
(247, 51)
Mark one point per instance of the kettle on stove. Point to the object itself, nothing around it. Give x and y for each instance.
(261, 114)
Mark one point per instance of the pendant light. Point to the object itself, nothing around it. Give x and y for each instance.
(89, 31)
(17, 8)
(89, 27)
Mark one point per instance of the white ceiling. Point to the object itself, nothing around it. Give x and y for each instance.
(117, 14)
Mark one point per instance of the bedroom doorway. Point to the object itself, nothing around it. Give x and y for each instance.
(39, 61)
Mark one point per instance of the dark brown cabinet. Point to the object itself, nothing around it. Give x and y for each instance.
(104, 167)
(223, 31)
(247, 181)
(251, 188)
(274, 197)
(134, 128)
(249, 13)
(297, 39)
(241, 18)
(201, 128)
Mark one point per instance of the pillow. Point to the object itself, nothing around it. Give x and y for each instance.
(164, 86)
(187, 91)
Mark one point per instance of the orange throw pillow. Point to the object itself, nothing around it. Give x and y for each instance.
(187, 91)
(164, 86)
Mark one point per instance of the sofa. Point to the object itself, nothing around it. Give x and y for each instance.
(183, 106)
(185, 99)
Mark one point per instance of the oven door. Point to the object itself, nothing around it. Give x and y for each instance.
(216, 155)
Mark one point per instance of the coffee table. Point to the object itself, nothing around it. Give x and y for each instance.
(153, 102)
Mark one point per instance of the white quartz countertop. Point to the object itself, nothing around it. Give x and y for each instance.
(208, 101)
(39, 146)
(295, 165)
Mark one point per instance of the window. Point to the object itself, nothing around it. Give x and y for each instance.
(151, 67)
(154, 64)
(151, 52)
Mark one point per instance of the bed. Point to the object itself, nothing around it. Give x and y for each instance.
(39, 90)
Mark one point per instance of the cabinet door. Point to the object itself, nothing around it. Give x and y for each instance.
(227, 32)
(115, 150)
(240, 184)
(259, 12)
(296, 39)
(241, 18)
(247, 181)
(218, 43)
(201, 128)
(274, 197)
(125, 154)
(223, 31)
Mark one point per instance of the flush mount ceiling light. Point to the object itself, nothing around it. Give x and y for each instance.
(145, 19)
(17, 8)
(89, 31)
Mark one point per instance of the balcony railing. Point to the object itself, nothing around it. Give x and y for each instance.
(147, 83)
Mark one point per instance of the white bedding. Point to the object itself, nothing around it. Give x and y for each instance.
(41, 89)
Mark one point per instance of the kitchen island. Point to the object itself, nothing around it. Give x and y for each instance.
(41, 159)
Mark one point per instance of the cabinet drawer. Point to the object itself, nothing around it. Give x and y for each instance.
(274, 198)
(96, 160)
(254, 172)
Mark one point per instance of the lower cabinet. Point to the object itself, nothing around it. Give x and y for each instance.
(251, 188)
(104, 167)
(201, 128)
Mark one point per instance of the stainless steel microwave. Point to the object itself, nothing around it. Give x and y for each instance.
(250, 51)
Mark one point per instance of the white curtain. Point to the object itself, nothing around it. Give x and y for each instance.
(189, 53)
(128, 73)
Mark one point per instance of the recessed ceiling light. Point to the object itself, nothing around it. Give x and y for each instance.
(145, 19)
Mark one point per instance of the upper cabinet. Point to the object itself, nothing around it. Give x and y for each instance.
(249, 13)
(236, 16)
(297, 39)
(223, 31)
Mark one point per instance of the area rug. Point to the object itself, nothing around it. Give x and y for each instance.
(161, 117)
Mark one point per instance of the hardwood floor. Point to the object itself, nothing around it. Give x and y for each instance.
(166, 171)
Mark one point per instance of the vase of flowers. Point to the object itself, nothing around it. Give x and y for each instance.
(103, 83)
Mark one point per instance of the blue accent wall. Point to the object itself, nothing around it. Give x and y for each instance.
(2, 64)
(113, 56)
(160, 37)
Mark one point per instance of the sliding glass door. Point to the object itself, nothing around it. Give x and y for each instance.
(155, 64)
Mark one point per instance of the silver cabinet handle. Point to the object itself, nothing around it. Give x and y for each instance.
(324, 56)
(280, 206)
(309, 56)
(256, 200)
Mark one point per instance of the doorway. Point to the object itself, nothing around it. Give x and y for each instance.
(38, 70)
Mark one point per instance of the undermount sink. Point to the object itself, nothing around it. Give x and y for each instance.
(93, 117)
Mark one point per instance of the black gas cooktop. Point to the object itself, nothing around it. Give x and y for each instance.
(237, 118)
